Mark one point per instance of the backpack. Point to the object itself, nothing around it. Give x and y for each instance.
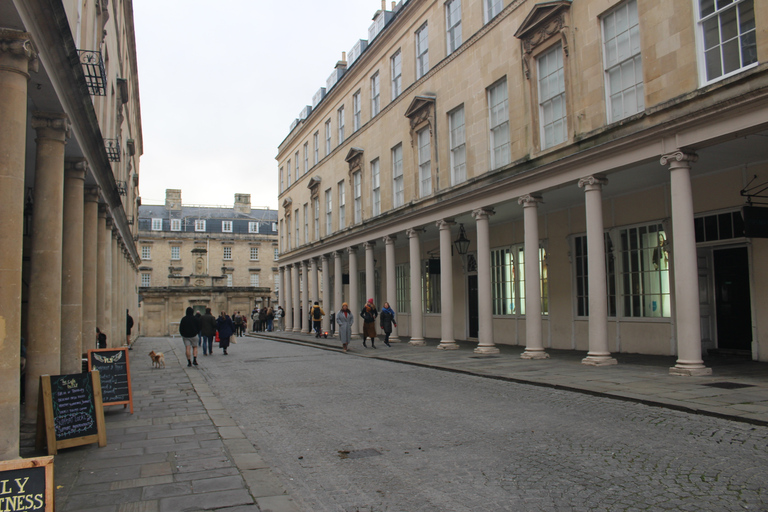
(316, 314)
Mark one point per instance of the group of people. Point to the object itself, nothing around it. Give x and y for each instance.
(267, 319)
(196, 328)
(345, 319)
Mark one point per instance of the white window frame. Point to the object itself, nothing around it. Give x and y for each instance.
(306, 157)
(553, 113)
(255, 281)
(306, 223)
(375, 95)
(316, 208)
(375, 188)
(328, 211)
(357, 191)
(328, 137)
(226, 253)
(146, 279)
(622, 62)
(175, 224)
(146, 252)
(157, 224)
(453, 25)
(226, 226)
(230, 280)
(398, 185)
(396, 67)
(316, 143)
(498, 120)
(643, 273)
(254, 254)
(200, 225)
(282, 180)
(708, 20)
(296, 177)
(297, 224)
(253, 227)
(458, 145)
(340, 114)
(288, 175)
(356, 111)
(175, 252)
(508, 280)
(422, 51)
(424, 145)
(342, 205)
(491, 8)
(277, 254)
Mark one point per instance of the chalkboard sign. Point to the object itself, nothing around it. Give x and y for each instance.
(70, 411)
(27, 484)
(115, 372)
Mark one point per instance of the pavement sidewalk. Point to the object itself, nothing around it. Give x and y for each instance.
(736, 390)
(179, 451)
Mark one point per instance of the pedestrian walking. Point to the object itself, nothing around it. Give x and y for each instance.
(226, 329)
(128, 327)
(208, 331)
(279, 315)
(238, 324)
(369, 314)
(386, 321)
(188, 328)
(317, 315)
(345, 319)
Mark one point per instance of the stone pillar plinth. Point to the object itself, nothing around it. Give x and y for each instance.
(534, 346)
(72, 267)
(354, 300)
(391, 288)
(44, 343)
(447, 340)
(417, 316)
(598, 354)
(685, 266)
(17, 58)
(484, 286)
(90, 266)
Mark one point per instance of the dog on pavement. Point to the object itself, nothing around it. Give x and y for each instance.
(158, 359)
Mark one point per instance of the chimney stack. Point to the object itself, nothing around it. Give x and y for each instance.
(243, 203)
(173, 199)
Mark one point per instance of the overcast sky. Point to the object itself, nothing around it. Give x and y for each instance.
(221, 82)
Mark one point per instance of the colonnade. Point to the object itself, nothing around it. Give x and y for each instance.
(683, 259)
(80, 272)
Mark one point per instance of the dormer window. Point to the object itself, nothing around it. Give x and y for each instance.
(200, 225)
(157, 224)
(226, 226)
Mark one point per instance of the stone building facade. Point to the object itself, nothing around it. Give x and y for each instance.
(204, 256)
(615, 146)
(70, 142)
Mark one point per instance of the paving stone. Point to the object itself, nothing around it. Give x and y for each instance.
(206, 501)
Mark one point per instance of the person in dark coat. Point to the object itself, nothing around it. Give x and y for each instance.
(386, 321)
(369, 314)
(226, 329)
(128, 327)
(208, 331)
(188, 328)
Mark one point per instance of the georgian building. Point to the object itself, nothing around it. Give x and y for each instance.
(70, 142)
(204, 256)
(555, 175)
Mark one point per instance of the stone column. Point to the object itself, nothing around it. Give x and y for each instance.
(338, 283)
(90, 264)
(44, 343)
(685, 266)
(17, 58)
(447, 340)
(105, 302)
(296, 298)
(72, 267)
(484, 285)
(114, 336)
(598, 354)
(306, 326)
(354, 300)
(314, 278)
(534, 346)
(417, 316)
(370, 273)
(281, 288)
(389, 256)
(326, 293)
(287, 288)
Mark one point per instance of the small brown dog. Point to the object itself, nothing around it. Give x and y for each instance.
(158, 359)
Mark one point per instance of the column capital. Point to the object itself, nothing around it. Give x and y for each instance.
(445, 224)
(592, 182)
(19, 43)
(323, 257)
(414, 232)
(352, 250)
(529, 200)
(53, 125)
(679, 158)
(92, 195)
(483, 213)
(75, 168)
(369, 245)
(389, 239)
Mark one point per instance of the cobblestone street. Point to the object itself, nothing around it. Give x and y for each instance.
(346, 433)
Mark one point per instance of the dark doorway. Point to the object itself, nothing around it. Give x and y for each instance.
(474, 322)
(732, 300)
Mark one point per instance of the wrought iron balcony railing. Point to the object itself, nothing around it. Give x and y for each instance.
(95, 74)
(113, 149)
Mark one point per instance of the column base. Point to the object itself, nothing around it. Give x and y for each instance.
(394, 339)
(599, 361)
(296, 329)
(684, 370)
(486, 349)
(355, 337)
(534, 354)
(447, 345)
(417, 342)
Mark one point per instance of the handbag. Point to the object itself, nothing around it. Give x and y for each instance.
(233, 339)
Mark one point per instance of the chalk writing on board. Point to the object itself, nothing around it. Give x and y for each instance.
(113, 368)
(73, 406)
